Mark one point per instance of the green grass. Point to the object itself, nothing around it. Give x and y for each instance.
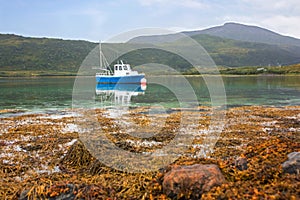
(31, 73)
(283, 70)
(291, 69)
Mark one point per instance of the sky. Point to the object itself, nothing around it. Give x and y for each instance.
(96, 20)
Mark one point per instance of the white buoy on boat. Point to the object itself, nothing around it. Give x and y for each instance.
(143, 81)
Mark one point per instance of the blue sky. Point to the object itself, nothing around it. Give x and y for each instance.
(98, 19)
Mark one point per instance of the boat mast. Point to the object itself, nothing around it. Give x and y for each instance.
(100, 54)
(103, 62)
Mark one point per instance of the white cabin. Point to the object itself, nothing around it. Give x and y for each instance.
(122, 69)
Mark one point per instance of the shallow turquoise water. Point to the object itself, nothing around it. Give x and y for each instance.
(54, 93)
(36, 93)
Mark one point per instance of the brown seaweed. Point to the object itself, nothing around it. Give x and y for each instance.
(41, 160)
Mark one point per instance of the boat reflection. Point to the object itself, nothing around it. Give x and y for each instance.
(118, 94)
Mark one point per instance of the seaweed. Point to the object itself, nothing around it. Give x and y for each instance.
(41, 159)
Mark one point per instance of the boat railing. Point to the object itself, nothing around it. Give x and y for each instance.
(104, 72)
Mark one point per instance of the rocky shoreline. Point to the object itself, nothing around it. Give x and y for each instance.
(43, 156)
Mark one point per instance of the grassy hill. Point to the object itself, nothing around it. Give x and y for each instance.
(43, 56)
(23, 53)
(224, 52)
(247, 33)
(234, 53)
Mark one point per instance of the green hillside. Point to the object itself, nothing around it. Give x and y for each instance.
(233, 53)
(225, 52)
(43, 56)
(23, 53)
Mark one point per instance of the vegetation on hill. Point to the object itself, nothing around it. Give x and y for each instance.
(225, 52)
(290, 69)
(23, 56)
(233, 53)
(250, 70)
(23, 53)
(248, 33)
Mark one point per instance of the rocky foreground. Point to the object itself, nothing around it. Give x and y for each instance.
(44, 156)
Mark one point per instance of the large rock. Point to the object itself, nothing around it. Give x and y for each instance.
(292, 165)
(192, 181)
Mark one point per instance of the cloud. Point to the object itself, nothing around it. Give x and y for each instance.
(187, 3)
(274, 5)
(89, 19)
(287, 25)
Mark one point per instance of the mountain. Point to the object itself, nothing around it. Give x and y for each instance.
(234, 44)
(230, 45)
(233, 31)
(234, 53)
(227, 52)
(25, 53)
(247, 33)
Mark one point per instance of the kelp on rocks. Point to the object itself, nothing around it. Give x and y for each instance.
(42, 159)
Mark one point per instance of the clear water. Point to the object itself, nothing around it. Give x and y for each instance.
(240, 90)
(36, 94)
(44, 94)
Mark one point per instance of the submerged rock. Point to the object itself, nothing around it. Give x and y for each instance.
(241, 163)
(24, 195)
(68, 195)
(292, 165)
(192, 181)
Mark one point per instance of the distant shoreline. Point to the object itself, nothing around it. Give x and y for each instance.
(186, 75)
(15, 74)
(292, 70)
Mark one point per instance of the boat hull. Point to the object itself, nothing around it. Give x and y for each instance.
(120, 79)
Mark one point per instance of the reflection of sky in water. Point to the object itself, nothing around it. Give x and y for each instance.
(55, 93)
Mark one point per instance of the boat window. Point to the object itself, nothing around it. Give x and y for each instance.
(125, 67)
(116, 67)
(120, 67)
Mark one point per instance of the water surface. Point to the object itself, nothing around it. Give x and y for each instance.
(42, 94)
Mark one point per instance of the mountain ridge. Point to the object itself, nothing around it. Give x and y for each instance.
(53, 54)
(229, 30)
(248, 33)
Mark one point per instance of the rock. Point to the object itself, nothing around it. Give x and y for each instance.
(32, 147)
(241, 163)
(24, 195)
(292, 165)
(63, 196)
(192, 181)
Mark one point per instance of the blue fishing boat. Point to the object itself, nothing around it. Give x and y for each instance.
(120, 73)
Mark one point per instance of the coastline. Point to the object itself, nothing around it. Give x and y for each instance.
(289, 70)
(74, 75)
